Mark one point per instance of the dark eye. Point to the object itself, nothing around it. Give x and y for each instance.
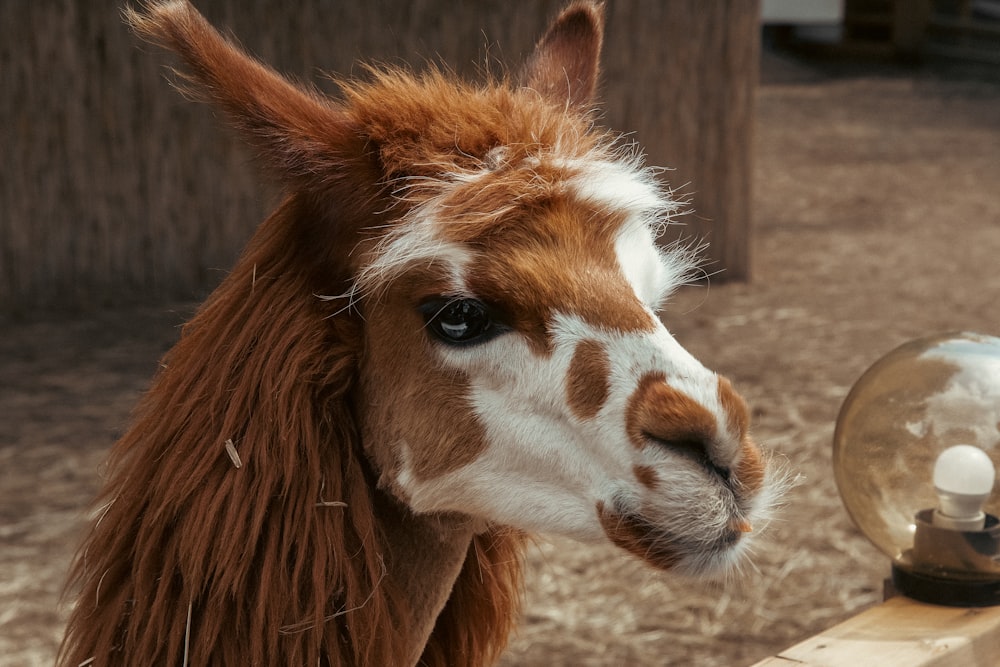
(459, 321)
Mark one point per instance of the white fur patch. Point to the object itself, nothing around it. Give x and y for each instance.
(416, 240)
(539, 474)
(651, 274)
(626, 186)
(621, 185)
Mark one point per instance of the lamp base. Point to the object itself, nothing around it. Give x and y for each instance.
(948, 592)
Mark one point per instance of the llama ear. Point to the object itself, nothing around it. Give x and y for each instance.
(565, 63)
(299, 134)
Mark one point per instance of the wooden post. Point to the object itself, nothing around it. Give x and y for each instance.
(909, 23)
(682, 75)
(902, 633)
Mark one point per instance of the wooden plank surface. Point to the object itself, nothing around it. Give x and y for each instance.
(902, 633)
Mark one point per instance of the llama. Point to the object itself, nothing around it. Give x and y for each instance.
(444, 339)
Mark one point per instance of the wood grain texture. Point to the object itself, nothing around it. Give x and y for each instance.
(902, 633)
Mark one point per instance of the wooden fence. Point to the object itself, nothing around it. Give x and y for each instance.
(113, 189)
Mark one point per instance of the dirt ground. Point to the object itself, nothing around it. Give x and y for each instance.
(877, 200)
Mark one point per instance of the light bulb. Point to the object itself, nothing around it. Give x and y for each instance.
(963, 480)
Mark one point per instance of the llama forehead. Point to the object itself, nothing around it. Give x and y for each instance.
(471, 166)
(541, 235)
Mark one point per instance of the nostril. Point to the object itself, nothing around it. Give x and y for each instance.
(722, 471)
(687, 446)
(694, 449)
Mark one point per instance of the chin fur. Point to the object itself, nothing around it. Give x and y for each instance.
(701, 539)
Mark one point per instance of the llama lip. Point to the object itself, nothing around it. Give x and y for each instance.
(664, 548)
(633, 533)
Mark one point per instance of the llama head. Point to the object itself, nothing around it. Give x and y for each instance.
(498, 253)
(516, 370)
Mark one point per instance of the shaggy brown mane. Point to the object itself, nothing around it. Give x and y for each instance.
(257, 366)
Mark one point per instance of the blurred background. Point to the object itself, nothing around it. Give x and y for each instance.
(841, 158)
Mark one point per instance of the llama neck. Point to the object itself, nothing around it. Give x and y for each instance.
(423, 558)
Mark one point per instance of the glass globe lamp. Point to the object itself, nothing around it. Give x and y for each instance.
(915, 451)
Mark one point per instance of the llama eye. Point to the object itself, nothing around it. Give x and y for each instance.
(460, 321)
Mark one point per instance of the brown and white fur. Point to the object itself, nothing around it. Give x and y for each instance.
(444, 338)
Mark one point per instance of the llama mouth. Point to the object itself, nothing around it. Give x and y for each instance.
(665, 549)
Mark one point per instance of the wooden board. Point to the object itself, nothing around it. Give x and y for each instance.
(902, 633)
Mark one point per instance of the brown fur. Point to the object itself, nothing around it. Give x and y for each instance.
(647, 476)
(297, 557)
(580, 274)
(560, 73)
(636, 536)
(423, 395)
(588, 380)
(474, 625)
(657, 410)
(751, 469)
(250, 549)
(737, 412)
